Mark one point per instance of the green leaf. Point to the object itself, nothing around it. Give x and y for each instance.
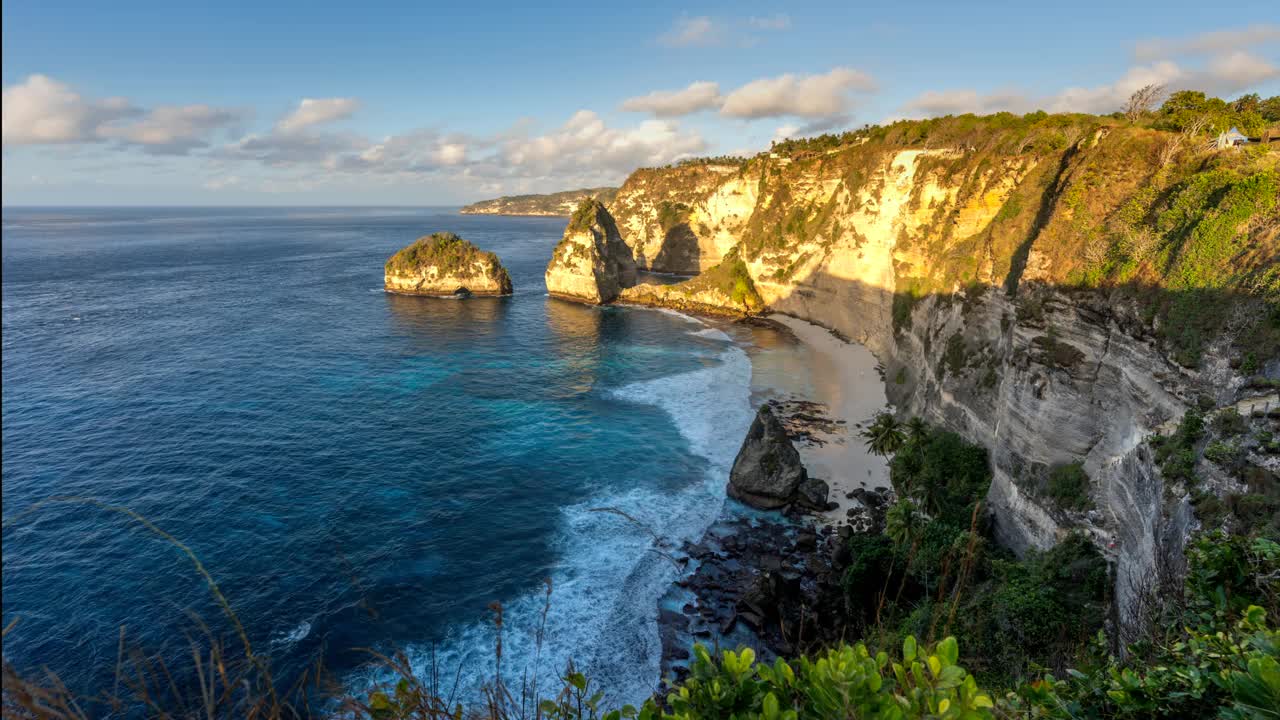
(909, 649)
(949, 651)
(770, 706)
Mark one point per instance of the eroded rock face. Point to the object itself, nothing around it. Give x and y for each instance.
(683, 219)
(767, 473)
(444, 264)
(591, 264)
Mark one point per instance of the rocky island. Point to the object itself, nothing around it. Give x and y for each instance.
(591, 264)
(444, 264)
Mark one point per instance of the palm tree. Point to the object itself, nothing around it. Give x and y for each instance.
(917, 431)
(902, 522)
(884, 435)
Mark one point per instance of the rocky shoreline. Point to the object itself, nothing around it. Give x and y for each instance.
(769, 580)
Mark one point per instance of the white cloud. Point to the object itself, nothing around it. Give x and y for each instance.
(41, 110)
(810, 96)
(1208, 43)
(413, 152)
(1215, 62)
(669, 103)
(172, 129)
(1223, 74)
(312, 111)
(1238, 70)
(785, 131)
(691, 31)
(781, 21)
(284, 149)
(586, 146)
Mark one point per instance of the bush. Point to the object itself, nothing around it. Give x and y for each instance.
(1229, 422)
(1069, 487)
(842, 682)
(944, 473)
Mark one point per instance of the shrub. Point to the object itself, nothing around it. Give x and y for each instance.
(944, 473)
(1229, 422)
(847, 681)
(1069, 486)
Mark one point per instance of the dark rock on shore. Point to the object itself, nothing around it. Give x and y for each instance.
(768, 474)
(769, 584)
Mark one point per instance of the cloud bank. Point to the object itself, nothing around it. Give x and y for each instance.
(1215, 62)
(43, 111)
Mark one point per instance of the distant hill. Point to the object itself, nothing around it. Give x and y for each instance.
(561, 203)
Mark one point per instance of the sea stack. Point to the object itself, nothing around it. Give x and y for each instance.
(444, 264)
(768, 473)
(591, 264)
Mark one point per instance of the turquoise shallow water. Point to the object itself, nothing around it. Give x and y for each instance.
(354, 468)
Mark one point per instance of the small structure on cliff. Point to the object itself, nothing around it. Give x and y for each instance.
(591, 264)
(768, 474)
(444, 264)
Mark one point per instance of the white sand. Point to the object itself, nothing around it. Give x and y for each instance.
(843, 377)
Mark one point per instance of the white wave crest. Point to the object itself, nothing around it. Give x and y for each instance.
(614, 549)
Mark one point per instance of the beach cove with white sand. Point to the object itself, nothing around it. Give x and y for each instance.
(838, 387)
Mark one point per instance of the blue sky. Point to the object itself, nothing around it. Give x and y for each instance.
(382, 103)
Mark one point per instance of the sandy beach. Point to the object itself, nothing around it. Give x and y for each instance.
(841, 378)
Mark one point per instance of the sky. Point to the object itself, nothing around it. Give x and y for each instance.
(372, 103)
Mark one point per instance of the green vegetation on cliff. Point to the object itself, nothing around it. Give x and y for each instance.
(730, 278)
(446, 252)
(1145, 212)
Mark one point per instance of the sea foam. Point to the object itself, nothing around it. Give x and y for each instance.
(615, 552)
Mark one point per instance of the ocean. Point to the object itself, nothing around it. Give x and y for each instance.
(355, 469)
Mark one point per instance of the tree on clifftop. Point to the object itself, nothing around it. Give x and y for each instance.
(1142, 101)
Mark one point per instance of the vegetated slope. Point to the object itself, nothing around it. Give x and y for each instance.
(552, 204)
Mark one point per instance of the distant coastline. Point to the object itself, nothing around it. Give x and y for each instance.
(560, 204)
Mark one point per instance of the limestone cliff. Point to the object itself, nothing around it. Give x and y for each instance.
(445, 264)
(591, 263)
(1056, 288)
(683, 219)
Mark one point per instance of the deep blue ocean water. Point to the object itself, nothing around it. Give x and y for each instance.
(354, 468)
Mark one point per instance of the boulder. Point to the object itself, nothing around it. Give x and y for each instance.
(812, 495)
(444, 264)
(767, 471)
(591, 264)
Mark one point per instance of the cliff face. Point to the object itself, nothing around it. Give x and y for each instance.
(1052, 288)
(445, 264)
(560, 204)
(591, 263)
(684, 219)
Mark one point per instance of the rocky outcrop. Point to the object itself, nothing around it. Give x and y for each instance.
(768, 473)
(591, 264)
(725, 289)
(444, 264)
(684, 218)
(1018, 289)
